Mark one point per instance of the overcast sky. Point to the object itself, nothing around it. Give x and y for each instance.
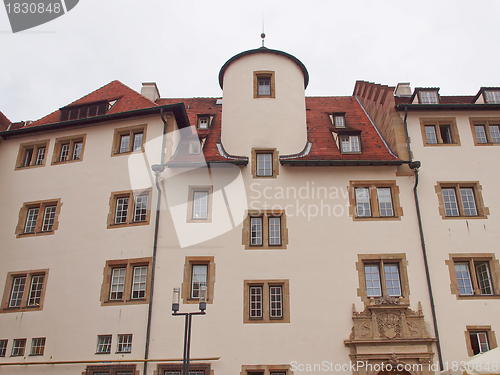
(181, 45)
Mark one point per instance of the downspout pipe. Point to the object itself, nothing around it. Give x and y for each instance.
(155, 246)
(415, 165)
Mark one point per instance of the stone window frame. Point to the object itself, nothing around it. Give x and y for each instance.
(492, 340)
(482, 210)
(190, 261)
(129, 265)
(110, 369)
(375, 213)
(205, 367)
(275, 159)
(266, 284)
(35, 146)
(265, 214)
(71, 140)
(41, 205)
(128, 130)
(199, 188)
(471, 258)
(486, 122)
(266, 369)
(131, 194)
(400, 259)
(27, 286)
(436, 122)
(271, 75)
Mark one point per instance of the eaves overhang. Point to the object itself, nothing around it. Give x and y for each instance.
(263, 50)
(178, 110)
(448, 107)
(340, 163)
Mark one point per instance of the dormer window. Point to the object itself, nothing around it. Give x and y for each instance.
(264, 86)
(492, 96)
(350, 144)
(204, 121)
(87, 110)
(338, 120)
(428, 97)
(194, 147)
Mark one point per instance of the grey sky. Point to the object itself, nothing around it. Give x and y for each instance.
(181, 45)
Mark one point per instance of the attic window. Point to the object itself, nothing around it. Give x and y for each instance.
(492, 96)
(350, 144)
(204, 121)
(428, 97)
(194, 147)
(264, 84)
(338, 120)
(87, 110)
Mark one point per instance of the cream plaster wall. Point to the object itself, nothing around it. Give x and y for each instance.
(278, 122)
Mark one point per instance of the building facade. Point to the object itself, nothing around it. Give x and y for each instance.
(326, 234)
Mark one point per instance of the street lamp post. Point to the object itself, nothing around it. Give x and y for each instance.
(187, 323)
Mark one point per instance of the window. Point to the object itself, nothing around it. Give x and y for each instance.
(266, 301)
(111, 370)
(205, 121)
(194, 147)
(69, 149)
(338, 120)
(485, 131)
(38, 218)
(199, 204)
(479, 339)
(129, 208)
(32, 154)
(87, 110)
(264, 84)
(439, 132)
(18, 347)
(37, 346)
(382, 275)
(124, 344)
(265, 230)
(176, 369)
(474, 275)
(265, 163)
(129, 139)
(350, 144)
(428, 97)
(374, 200)
(3, 347)
(103, 344)
(460, 199)
(24, 291)
(492, 96)
(199, 272)
(126, 281)
(266, 370)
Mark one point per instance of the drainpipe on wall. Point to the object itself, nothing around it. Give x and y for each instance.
(415, 165)
(155, 247)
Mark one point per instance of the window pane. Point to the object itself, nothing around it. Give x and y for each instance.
(77, 150)
(255, 302)
(480, 134)
(139, 282)
(104, 344)
(495, 133)
(372, 279)
(264, 164)
(138, 141)
(274, 231)
(385, 201)
(428, 97)
(31, 219)
(392, 282)
(492, 97)
(479, 342)
(256, 231)
(121, 210)
(48, 218)
(117, 283)
(200, 205)
(36, 290)
(363, 208)
(264, 86)
(446, 134)
(16, 294)
(276, 301)
(28, 154)
(450, 202)
(40, 156)
(3, 347)
(354, 140)
(124, 143)
(141, 208)
(463, 278)
(468, 201)
(199, 280)
(64, 152)
(484, 278)
(430, 134)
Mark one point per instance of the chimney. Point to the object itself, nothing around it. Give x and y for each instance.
(403, 89)
(150, 91)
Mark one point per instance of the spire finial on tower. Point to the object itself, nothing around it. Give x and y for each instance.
(263, 35)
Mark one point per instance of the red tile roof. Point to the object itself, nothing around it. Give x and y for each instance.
(128, 100)
(4, 122)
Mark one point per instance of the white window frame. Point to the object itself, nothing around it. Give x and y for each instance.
(117, 284)
(124, 344)
(37, 346)
(139, 282)
(199, 279)
(264, 162)
(104, 344)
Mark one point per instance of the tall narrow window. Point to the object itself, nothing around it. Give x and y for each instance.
(276, 301)
(480, 134)
(256, 302)
(31, 220)
(372, 279)
(430, 133)
(446, 136)
(124, 143)
(385, 201)
(77, 150)
(139, 282)
(199, 280)
(17, 291)
(121, 210)
(264, 84)
(117, 284)
(256, 231)
(264, 164)
(3, 347)
(274, 231)
(141, 208)
(363, 202)
(450, 202)
(40, 157)
(64, 152)
(479, 342)
(36, 289)
(200, 205)
(137, 142)
(49, 218)
(392, 280)
(199, 276)
(463, 279)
